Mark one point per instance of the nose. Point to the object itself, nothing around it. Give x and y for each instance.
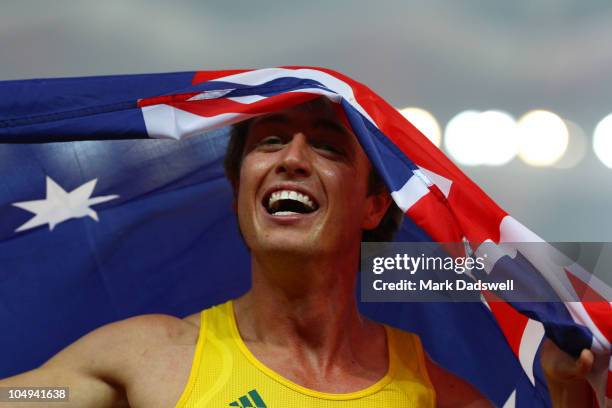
(295, 160)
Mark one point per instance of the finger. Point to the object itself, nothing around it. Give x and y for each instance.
(560, 365)
(584, 364)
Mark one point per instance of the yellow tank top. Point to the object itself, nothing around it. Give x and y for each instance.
(226, 374)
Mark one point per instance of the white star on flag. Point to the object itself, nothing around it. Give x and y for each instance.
(60, 206)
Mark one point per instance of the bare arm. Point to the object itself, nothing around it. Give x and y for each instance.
(79, 367)
(99, 367)
(85, 390)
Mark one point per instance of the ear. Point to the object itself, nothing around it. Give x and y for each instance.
(376, 207)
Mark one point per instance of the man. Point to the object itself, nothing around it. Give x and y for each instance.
(305, 192)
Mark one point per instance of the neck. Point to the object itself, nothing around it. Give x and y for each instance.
(303, 304)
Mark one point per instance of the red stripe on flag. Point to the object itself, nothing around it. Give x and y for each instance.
(600, 313)
(598, 308)
(432, 215)
(511, 322)
(584, 291)
(165, 99)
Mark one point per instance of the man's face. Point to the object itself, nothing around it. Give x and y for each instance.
(303, 184)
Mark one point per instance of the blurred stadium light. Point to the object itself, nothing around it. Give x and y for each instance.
(425, 122)
(481, 138)
(543, 138)
(602, 140)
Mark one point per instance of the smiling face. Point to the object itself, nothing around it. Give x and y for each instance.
(303, 184)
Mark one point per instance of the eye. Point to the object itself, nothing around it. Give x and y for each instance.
(271, 140)
(329, 148)
(269, 143)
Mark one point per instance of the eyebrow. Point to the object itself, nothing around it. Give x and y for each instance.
(276, 118)
(333, 126)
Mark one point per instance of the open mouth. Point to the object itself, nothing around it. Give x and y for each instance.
(289, 202)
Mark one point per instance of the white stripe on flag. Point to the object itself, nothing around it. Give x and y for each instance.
(410, 193)
(600, 343)
(491, 253)
(597, 285)
(511, 401)
(417, 187)
(442, 182)
(247, 99)
(167, 122)
(541, 256)
(260, 76)
(530, 341)
(214, 94)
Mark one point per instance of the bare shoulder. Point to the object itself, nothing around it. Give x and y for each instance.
(158, 328)
(110, 351)
(142, 329)
(452, 391)
(194, 319)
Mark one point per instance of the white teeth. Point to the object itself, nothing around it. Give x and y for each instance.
(285, 213)
(290, 195)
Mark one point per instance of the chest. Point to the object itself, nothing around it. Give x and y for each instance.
(226, 380)
(226, 375)
(296, 367)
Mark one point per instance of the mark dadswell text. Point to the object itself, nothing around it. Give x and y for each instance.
(447, 285)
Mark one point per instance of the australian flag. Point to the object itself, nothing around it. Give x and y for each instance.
(113, 203)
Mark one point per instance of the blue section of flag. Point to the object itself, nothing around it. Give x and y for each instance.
(550, 309)
(559, 325)
(168, 244)
(270, 88)
(394, 167)
(64, 109)
(34, 98)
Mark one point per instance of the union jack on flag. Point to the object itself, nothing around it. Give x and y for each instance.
(75, 151)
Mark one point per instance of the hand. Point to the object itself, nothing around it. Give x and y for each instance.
(560, 366)
(566, 376)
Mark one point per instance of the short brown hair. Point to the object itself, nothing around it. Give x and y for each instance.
(385, 230)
